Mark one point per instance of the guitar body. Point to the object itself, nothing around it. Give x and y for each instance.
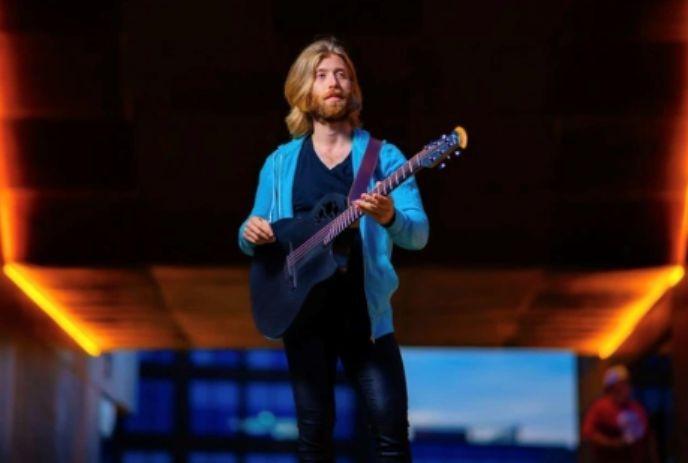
(277, 291)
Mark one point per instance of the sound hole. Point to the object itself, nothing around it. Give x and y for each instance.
(329, 208)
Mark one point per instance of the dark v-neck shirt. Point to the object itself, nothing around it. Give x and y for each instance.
(312, 181)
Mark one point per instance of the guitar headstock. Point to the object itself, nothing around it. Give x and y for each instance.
(439, 150)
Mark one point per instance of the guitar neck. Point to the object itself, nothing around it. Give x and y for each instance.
(351, 214)
(329, 232)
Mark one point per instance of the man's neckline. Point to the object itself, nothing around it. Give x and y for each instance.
(346, 158)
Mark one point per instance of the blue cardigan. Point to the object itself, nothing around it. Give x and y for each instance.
(410, 229)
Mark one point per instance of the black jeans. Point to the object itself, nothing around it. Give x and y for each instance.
(334, 324)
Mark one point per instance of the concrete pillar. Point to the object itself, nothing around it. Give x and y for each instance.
(7, 366)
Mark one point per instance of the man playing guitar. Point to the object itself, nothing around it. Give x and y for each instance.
(348, 316)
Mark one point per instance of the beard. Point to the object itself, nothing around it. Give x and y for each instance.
(334, 110)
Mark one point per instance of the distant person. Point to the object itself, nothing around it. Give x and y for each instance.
(616, 426)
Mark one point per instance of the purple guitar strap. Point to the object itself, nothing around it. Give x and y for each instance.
(365, 171)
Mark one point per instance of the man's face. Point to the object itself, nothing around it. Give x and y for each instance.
(621, 392)
(331, 92)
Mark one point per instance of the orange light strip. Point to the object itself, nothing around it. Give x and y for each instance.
(8, 232)
(6, 235)
(636, 311)
(683, 231)
(681, 147)
(51, 308)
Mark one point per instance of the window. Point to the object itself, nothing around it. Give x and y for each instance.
(266, 359)
(146, 457)
(214, 407)
(215, 358)
(270, 410)
(205, 457)
(154, 412)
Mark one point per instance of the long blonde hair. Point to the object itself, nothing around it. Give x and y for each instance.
(297, 88)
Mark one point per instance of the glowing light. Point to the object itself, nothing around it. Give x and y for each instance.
(634, 313)
(51, 308)
(8, 211)
(5, 227)
(681, 241)
(10, 238)
(681, 141)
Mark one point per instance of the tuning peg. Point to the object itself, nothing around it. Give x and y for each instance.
(457, 153)
(443, 165)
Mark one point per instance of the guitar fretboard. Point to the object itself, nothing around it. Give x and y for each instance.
(329, 232)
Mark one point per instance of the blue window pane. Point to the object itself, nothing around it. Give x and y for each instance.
(207, 457)
(269, 458)
(154, 413)
(146, 457)
(266, 359)
(276, 397)
(534, 390)
(270, 410)
(215, 358)
(440, 453)
(345, 400)
(214, 407)
(159, 357)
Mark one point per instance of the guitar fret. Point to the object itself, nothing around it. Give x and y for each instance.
(329, 232)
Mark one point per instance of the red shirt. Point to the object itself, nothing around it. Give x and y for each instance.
(628, 422)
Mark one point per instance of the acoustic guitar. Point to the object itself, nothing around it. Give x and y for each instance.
(285, 271)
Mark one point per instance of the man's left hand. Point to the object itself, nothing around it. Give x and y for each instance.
(379, 207)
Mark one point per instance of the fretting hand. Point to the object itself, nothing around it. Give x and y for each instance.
(376, 205)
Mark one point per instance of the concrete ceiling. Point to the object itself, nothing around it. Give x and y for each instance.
(209, 307)
(130, 154)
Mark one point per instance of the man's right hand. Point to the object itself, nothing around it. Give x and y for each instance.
(258, 231)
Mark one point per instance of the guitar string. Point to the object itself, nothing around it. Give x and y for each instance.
(323, 235)
(331, 230)
(335, 227)
(350, 215)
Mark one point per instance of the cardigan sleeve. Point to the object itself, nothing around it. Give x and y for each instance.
(410, 228)
(262, 202)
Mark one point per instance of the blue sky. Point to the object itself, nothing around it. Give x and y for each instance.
(485, 390)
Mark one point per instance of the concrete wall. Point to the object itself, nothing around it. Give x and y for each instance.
(53, 400)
